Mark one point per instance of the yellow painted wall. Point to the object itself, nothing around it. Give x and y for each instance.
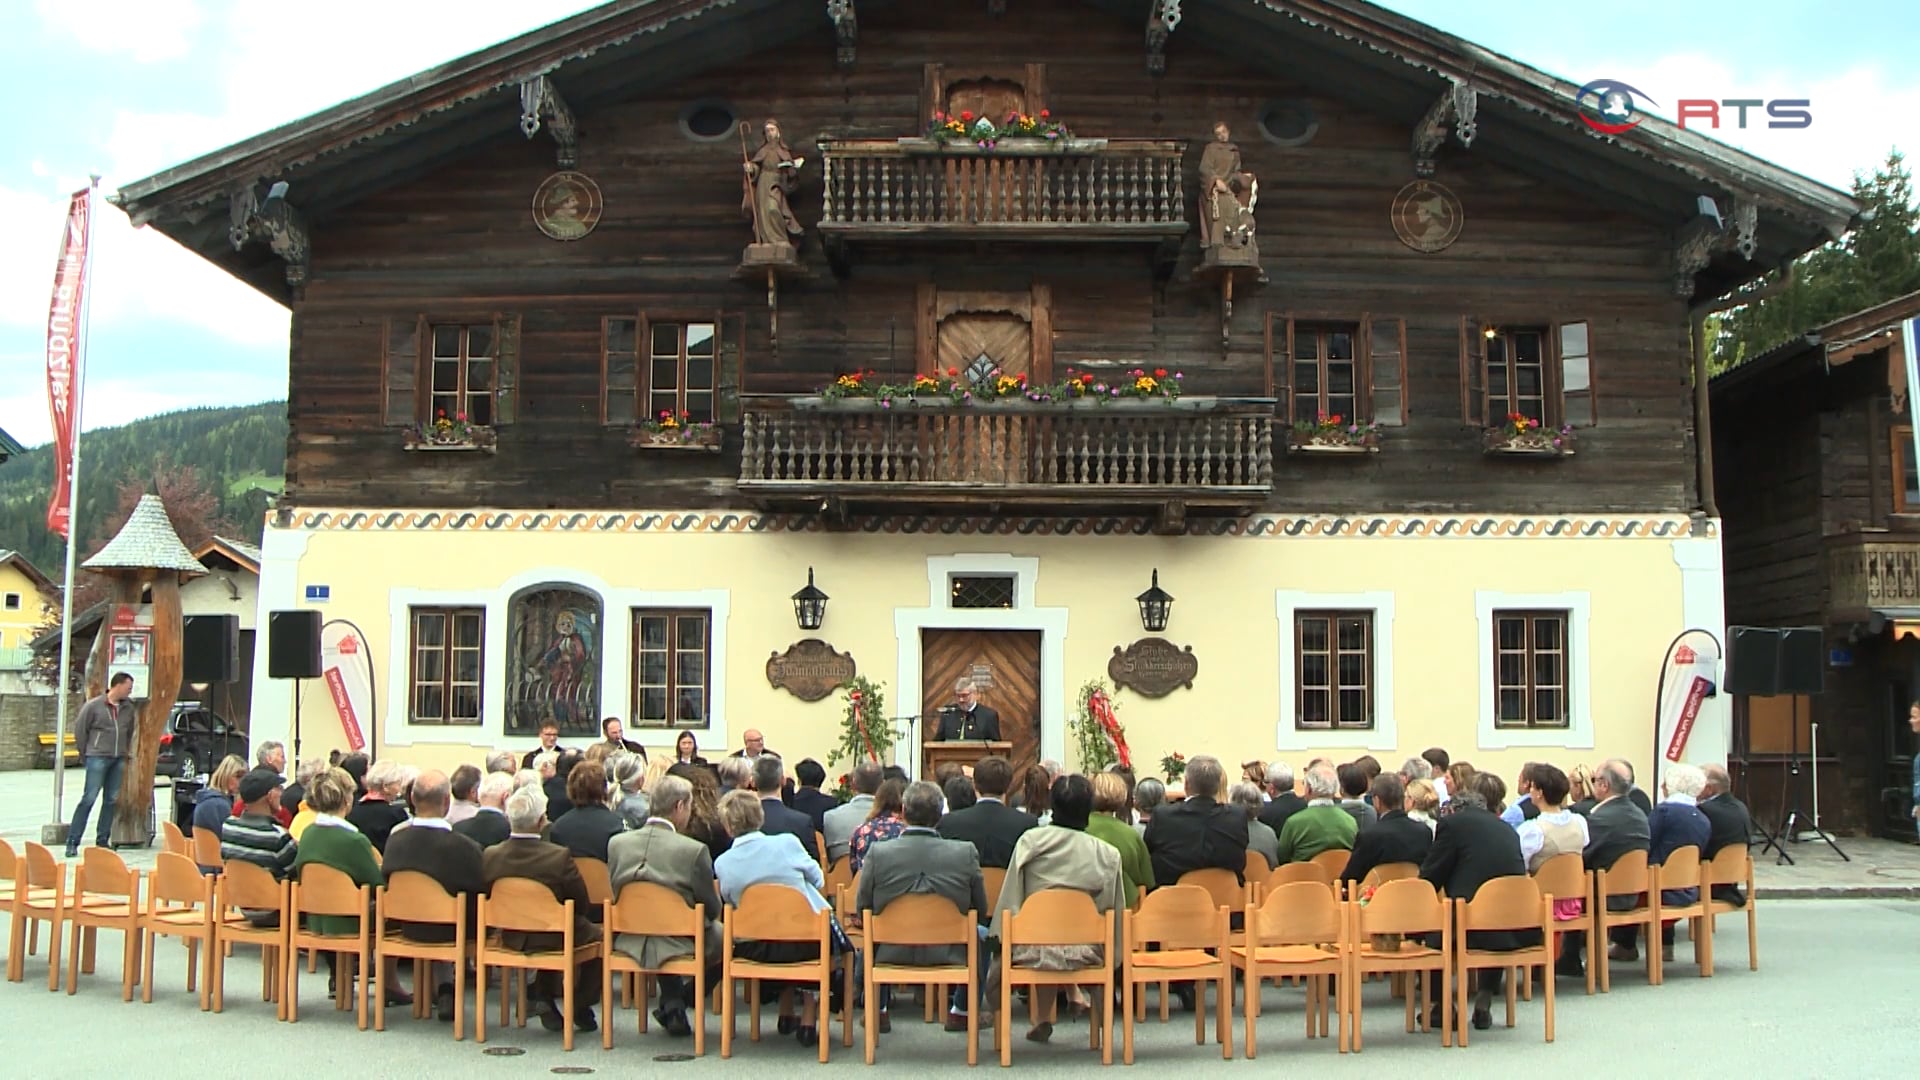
(1225, 609)
(17, 628)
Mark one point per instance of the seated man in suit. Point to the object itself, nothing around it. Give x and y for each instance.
(920, 861)
(431, 847)
(1731, 823)
(1322, 825)
(1615, 827)
(990, 825)
(755, 748)
(1471, 847)
(769, 776)
(524, 855)
(1199, 831)
(842, 820)
(488, 825)
(1394, 838)
(1282, 800)
(549, 744)
(967, 718)
(810, 800)
(661, 855)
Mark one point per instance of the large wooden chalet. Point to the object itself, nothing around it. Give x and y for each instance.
(505, 269)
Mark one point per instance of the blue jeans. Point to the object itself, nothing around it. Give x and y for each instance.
(103, 782)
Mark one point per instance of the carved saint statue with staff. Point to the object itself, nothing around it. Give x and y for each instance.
(771, 174)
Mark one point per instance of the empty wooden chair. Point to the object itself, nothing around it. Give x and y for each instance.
(1288, 873)
(1334, 860)
(1404, 911)
(39, 896)
(206, 850)
(655, 911)
(1179, 933)
(1256, 868)
(1059, 917)
(241, 888)
(924, 921)
(1298, 929)
(526, 906)
(820, 848)
(1682, 870)
(106, 896)
(1629, 876)
(174, 840)
(412, 897)
(323, 891)
(777, 913)
(179, 904)
(1732, 866)
(1505, 903)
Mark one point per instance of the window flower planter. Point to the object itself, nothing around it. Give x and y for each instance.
(467, 438)
(1503, 442)
(698, 438)
(1332, 443)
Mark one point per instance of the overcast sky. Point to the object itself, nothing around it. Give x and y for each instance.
(129, 87)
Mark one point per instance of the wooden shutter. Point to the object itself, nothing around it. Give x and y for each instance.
(1280, 363)
(1473, 371)
(1386, 345)
(400, 379)
(731, 374)
(619, 368)
(506, 337)
(1573, 351)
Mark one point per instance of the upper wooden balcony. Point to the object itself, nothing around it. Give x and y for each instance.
(1200, 453)
(1101, 190)
(1872, 571)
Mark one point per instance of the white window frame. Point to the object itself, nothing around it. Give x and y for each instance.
(1386, 729)
(1578, 734)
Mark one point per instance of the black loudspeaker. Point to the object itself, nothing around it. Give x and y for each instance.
(293, 645)
(1753, 661)
(210, 648)
(1803, 660)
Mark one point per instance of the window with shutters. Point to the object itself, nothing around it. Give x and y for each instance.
(466, 364)
(1354, 369)
(444, 679)
(1543, 372)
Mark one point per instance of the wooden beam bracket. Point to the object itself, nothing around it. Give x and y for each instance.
(541, 103)
(846, 30)
(273, 220)
(1458, 107)
(1170, 519)
(1162, 18)
(1704, 237)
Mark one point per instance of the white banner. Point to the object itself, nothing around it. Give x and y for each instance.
(1692, 724)
(346, 666)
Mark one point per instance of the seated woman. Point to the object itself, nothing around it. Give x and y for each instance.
(705, 825)
(1108, 824)
(884, 822)
(686, 750)
(213, 804)
(628, 773)
(585, 829)
(1555, 830)
(332, 841)
(759, 859)
(1423, 803)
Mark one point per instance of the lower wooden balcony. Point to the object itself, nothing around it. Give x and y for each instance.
(1873, 572)
(1207, 454)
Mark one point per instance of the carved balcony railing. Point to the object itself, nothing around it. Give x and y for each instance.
(1872, 571)
(1200, 453)
(1076, 189)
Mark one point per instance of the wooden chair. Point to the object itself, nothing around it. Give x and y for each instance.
(1406, 909)
(1059, 917)
(1179, 933)
(599, 885)
(1298, 929)
(994, 878)
(1564, 877)
(240, 888)
(10, 867)
(1256, 868)
(839, 872)
(1628, 876)
(925, 921)
(655, 911)
(523, 905)
(410, 896)
(776, 913)
(1288, 873)
(39, 896)
(820, 848)
(1682, 870)
(179, 904)
(175, 840)
(845, 909)
(1385, 872)
(106, 896)
(323, 890)
(1733, 866)
(1506, 903)
(1334, 860)
(206, 849)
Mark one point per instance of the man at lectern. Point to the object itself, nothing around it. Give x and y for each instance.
(966, 719)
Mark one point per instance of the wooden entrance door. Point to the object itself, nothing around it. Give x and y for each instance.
(1008, 659)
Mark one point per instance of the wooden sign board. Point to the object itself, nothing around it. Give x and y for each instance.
(810, 669)
(1153, 666)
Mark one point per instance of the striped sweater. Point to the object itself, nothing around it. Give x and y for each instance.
(258, 839)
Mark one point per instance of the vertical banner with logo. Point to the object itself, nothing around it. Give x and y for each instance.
(1909, 330)
(1691, 726)
(346, 666)
(63, 358)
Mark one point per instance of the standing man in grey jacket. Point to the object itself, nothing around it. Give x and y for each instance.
(104, 734)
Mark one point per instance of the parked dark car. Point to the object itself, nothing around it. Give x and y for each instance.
(195, 740)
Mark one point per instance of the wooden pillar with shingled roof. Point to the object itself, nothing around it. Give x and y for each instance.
(145, 559)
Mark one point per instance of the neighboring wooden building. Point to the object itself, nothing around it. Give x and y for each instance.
(1442, 590)
(8, 447)
(1813, 448)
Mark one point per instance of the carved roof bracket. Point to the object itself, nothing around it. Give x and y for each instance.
(273, 220)
(540, 102)
(1163, 17)
(1745, 227)
(1458, 108)
(846, 29)
(1709, 234)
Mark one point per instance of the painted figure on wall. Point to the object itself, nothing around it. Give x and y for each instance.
(1228, 194)
(772, 174)
(555, 673)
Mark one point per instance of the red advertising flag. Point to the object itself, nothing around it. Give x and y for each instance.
(63, 359)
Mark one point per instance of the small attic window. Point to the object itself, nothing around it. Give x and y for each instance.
(1288, 122)
(708, 121)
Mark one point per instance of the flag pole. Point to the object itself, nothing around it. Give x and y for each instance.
(63, 693)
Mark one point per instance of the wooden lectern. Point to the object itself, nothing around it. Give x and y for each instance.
(962, 752)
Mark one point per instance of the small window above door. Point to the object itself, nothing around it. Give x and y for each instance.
(980, 591)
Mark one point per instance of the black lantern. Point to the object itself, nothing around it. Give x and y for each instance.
(810, 605)
(1155, 606)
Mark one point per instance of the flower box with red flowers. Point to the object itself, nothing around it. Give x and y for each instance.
(863, 390)
(448, 433)
(1525, 436)
(675, 432)
(1334, 434)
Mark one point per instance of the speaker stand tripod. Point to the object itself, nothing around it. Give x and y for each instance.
(1791, 813)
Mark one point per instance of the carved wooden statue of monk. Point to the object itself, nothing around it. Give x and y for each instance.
(1227, 194)
(774, 172)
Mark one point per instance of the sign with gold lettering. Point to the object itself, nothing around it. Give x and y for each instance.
(810, 669)
(1153, 666)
